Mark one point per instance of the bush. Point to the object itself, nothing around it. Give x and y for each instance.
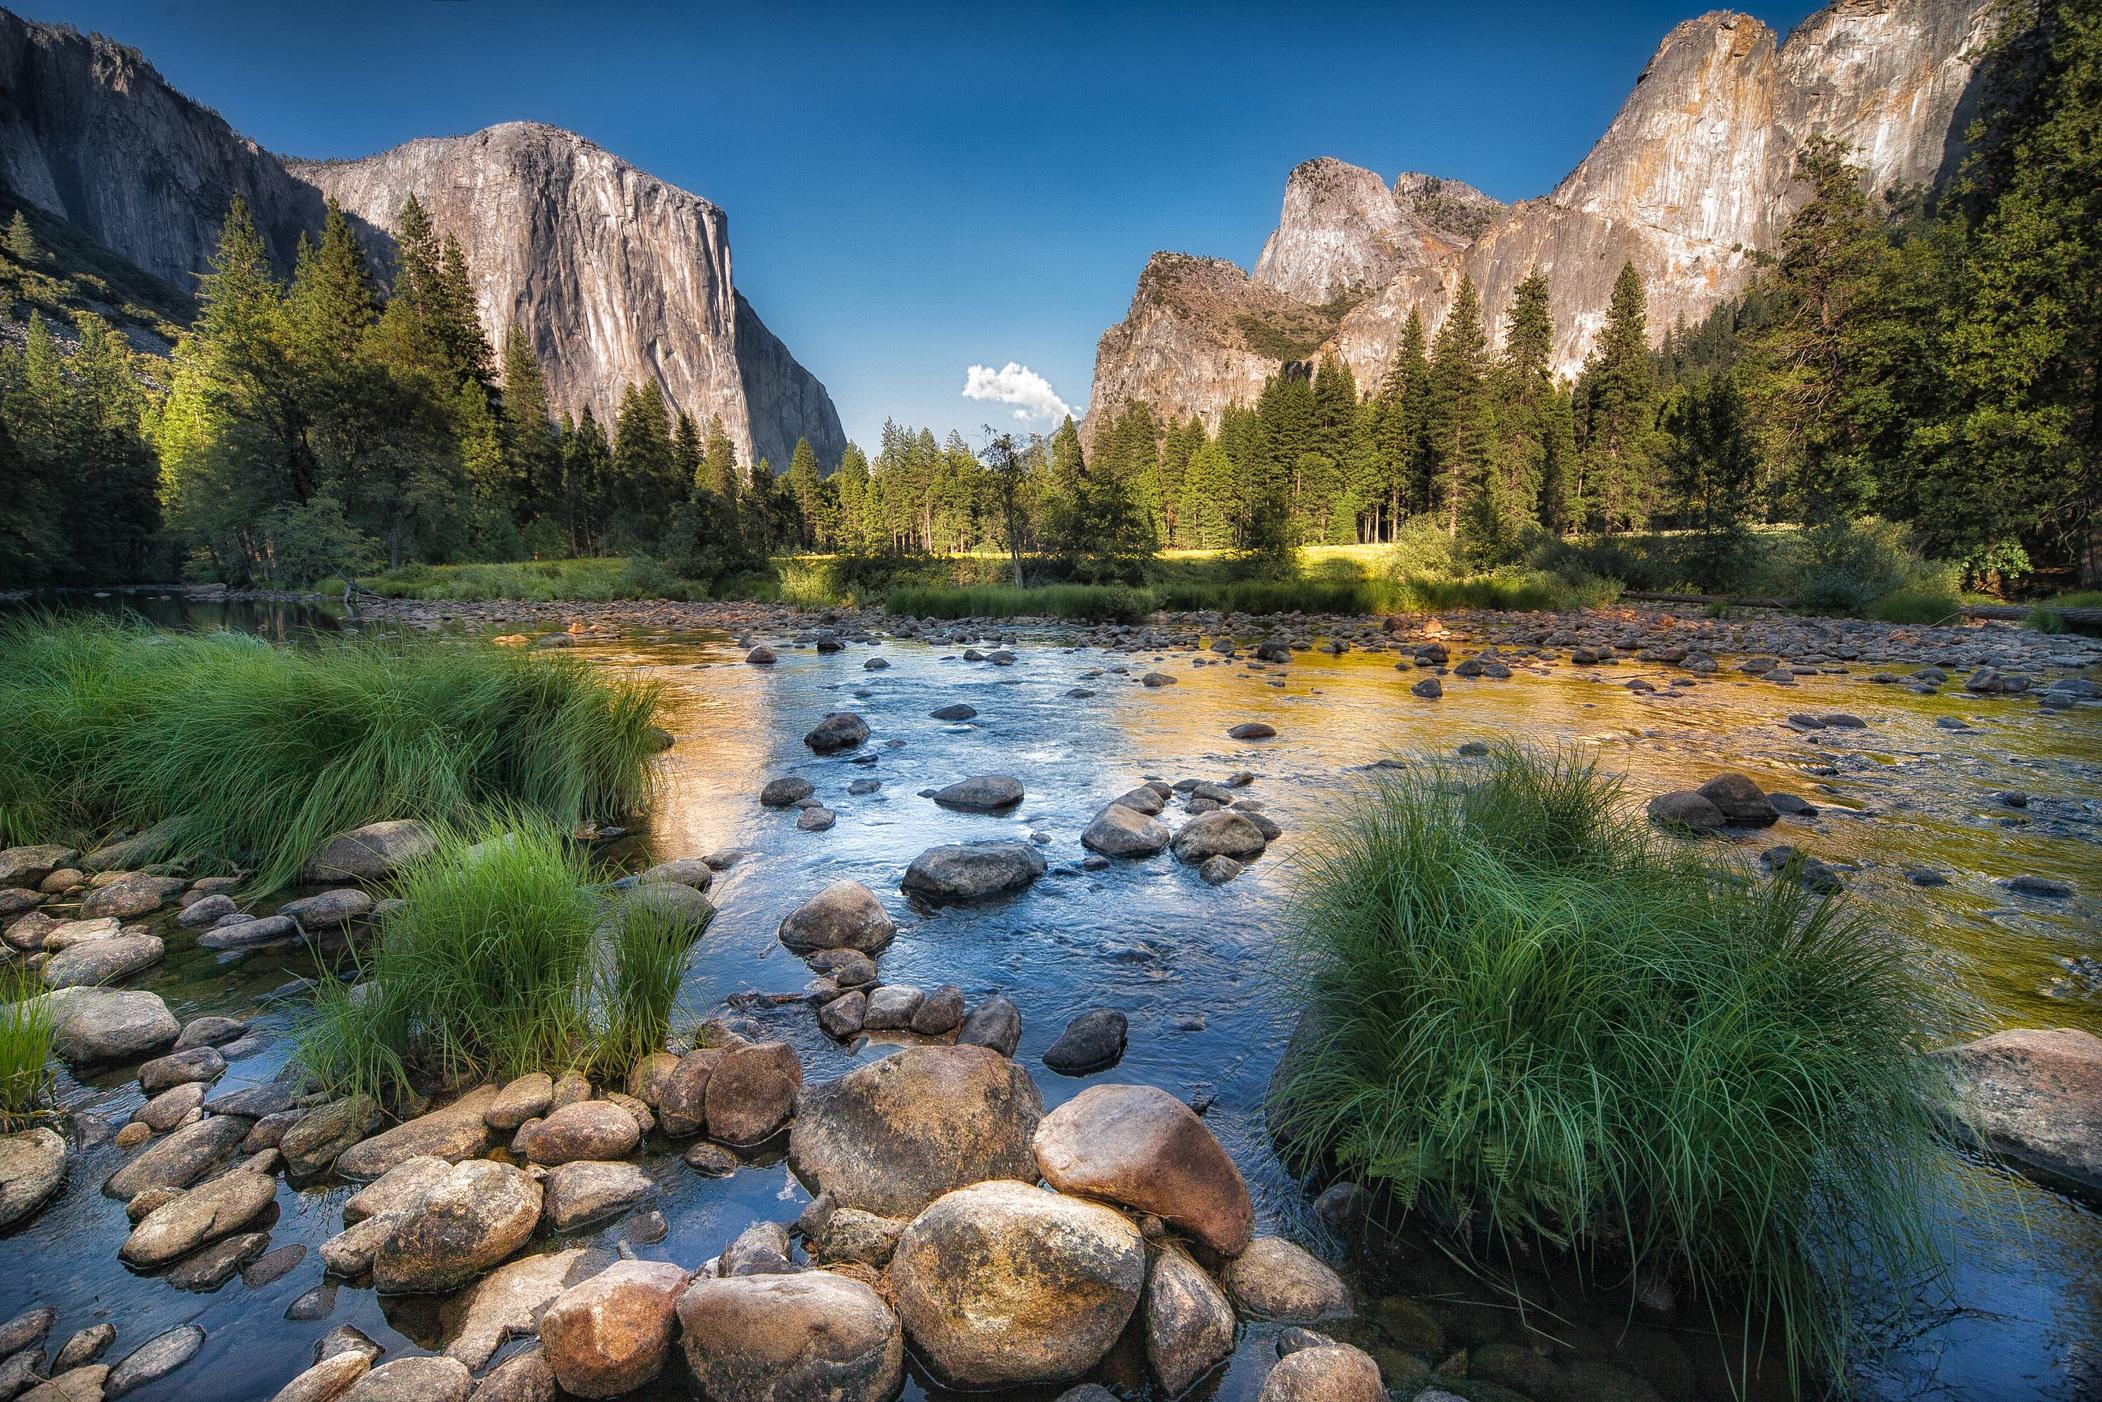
(1530, 1015)
(2044, 620)
(252, 755)
(1921, 606)
(1845, 566)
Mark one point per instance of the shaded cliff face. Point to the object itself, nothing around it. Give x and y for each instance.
(1690, 183)
(614, 275)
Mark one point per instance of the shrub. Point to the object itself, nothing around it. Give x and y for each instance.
(254, 754)
(1923, 606)
(26, 1033)
(2044, 620)
(1529, 1015)
(1844, 566)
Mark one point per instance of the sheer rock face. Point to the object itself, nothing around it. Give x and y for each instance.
(1691, 182)
(614, 275)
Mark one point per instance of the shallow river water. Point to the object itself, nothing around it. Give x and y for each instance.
(1202, 972)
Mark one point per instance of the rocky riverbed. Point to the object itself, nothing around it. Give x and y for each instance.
(1019, 884)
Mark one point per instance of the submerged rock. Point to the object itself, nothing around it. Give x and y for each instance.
(985, 793)
(1274, 1279)
(32, 1165)
(1093, 1041)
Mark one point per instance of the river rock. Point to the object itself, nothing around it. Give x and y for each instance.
(808, 1337)
(127, 896)
(1274, 1279)
(957, 711)
(785, 792)
(845, 915)
(103, 961)
(2036, 1098)
(349, 1253)
(180, 1159)
(751, 1091)
(588, 1129)
(155, 1359)
(682, 871)
(83, 1384)
(371, 853)
(842, 730)
(588, 1190)
(1741, 802)
(209, 1031)
(207, 911)
(960, 873)
(891, 1007)
(212, 1266)
(849, 1234)
(996, 1023)
(330, 1379)
(1225, 833)
(507, 1303)
(398, 1189)
(84, 1347)
(32, 1165)
(940, 1012)
(1252, 730)
(1093, 1041)
(28, 866)
(519, 1101)
(97, 1025)
(218, 1208)
(312, 1145)
(999, 1284)
(610, 1334)
(431, 1379)
(457, 1131)
(195, 1064)
(841, 1017)
(682, 1097)
(1328, 1372)
(328, 909)
(1121, 830)
(481, 1213)
(1686, 810)
(984, 793)
(523, 1377)
(170, 1108)
(251, 934)
(679, 907)
(892, 1136)
(1189, 1321)
(1142, 1148)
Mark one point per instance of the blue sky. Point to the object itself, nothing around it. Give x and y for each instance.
(915, 192)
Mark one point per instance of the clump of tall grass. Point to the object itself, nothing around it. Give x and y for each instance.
(254, 754)
(1532, 1019)
(590, 580)
(26, 1032)
(504, 958)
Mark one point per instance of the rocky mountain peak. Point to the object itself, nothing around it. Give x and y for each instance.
(1451, 208)
(1341, 232)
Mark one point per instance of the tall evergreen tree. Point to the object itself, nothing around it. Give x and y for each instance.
(1617, 485)
(1457, 426)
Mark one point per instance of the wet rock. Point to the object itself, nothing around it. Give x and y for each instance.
(940, 1012)
(996, 1023)
(892, 1136)
(311, 1146)
(1788, 805)
(848, 968)
(155, 1359)
(761, 656)
(32, 1165)
(589, 1190)
(329, 909)
(1430, 689)
(682, 1098)
(760, 1249)
(1326, 1373)
(751, 1091)
(1225, 833)
(330, 1379)
(218, 1263)
(809, 1337)
(480, 1214)
(891, 1007)
(318, 1303)
(1140, 1147)
(1093, 1041)
(842, 730)
(681, 871)
(349, 1253)
(2036, 1097)
(1740, 801)
(209, 1032)
(785, 792)
(1686, 810)
(98, 1025)
(197, 1064)
(999, 1284)
(612, 1333)
(984, 793)
(523, 1099)
(218, 1208)
(83, 1384)
(1274, 1279)
(1252, 730)
(647, 1077)
(1217, 871)
(958, 711)
(588, 1129)
(841, 1017)
(845, 915)
(180, 1159)
(678, 906)
(1189, 1321)
(1144, 799)
(166, 1110)
(1156, 679)
(816, 820)
(413, 1380)
(371, 853)
(523, 1377)
(1121, 830)
(128, 896)
(398, 1189)
(255, 1102)
(849, 1234)
(507, 1303)
(961, 873)
(456, 1131)
(251, 934)
(274, 1265)
(206, 912)
(102, 961)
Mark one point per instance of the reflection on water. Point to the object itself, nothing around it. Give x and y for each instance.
(1201, 973)
(279, 620)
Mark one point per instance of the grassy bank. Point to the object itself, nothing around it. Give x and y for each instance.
(1530, 1015)
(26, 1034)
(504, 959)
(248, 754)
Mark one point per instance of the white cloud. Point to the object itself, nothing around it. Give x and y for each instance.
(1031, 394)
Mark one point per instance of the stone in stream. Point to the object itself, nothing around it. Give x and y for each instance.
(349, 1252)
(155, 1359)
(785, 792)
(682, 1098)
(1274, 1279)
(1740, 801)
(611, 1334)
(842, 730)
(1121, 830)
(251, 934)
(1223, 833)
(958, 711)
(1217, 871)
(996, 1024)
(940, 1012)
(170, 1108)
(1141, 1147)
(508, 1302)
(849, 968)
(808, 1337)
(588, 1129)
(845, 915)
(1189, 1321)
(841, 1017)
(206, 1270)
(1093, 1041)
(219, 1208)
(523, 1377)
(676, 905)
(589, 1190)
(480, 1214)
(1068, 1280)
(2038, 886)
(456, 1131)
(1430, 689)
(962, 873)
(328, 908)
(891, 1007)
(984, 793)
(327, 1381)
(312, 1145)
(751, 1091)
(127, 896)
(82, 1384)
(209, 1031)
(103, 961)
(761, 656)
(414, 1380)
(1252, 730)
(371, 853)
(201, 914)
(892, 1136)
(2036, 1098)
(274, 1265)
(1686, 811)
(1144, 799)
(1156, 679)
(526, 1098)
(32, 1165)
(180, 1159)
(398, 1189)
(181, 1068)
(682, 871)
(1330, 1372)
(28, 866)
(816, 820)
(28, 1329)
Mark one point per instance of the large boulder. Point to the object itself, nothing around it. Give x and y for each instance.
(1328, 1372)
(481, 1213)
(807, 1337)
(1141, 1148)
(1121, 830)
(842, 730)
(219, 1208)
(2035, 1097)
(982, 793)
(960, 873)
(180, 1159)
(751, 1091)
(97, 1025)
(588, 1129)
(845, 915)
(371, 853)
(127, 896)
(1189, 1321)
(1741, 802)
(589, 1190)
(457, 1131)
(610, 1334)
(892, 1136)
(1222, 833)
(103, 961)
(1273, 1279)
(398, 1189)
(32, 1165)
(1684, 810)
(1001, 1284)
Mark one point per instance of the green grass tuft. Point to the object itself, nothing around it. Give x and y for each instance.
(1088, 603)
(2044, 619)
(255, 754)
(1918, 606)
(26, 1033)
(1530, 1016)
(639, 985)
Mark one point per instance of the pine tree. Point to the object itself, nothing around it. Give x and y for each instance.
(21, 243)
(1457, 425)
(807, 490)
(586, 462)
(531, 449)
(1403, 406)
(1619, 423)
(857, 533)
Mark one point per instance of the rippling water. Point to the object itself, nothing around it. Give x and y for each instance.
(1201, 972)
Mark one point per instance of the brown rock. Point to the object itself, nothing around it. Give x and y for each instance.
(1141, 1147)
(612, 1333)
(457, 1131)
(1325, 1373)
(1273, 1279)
(751, 1091)
(1189, 1321)
(480, 1214)
(2036, 1099)
(588, 1129)
(682, 1097)
(809, 1337)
